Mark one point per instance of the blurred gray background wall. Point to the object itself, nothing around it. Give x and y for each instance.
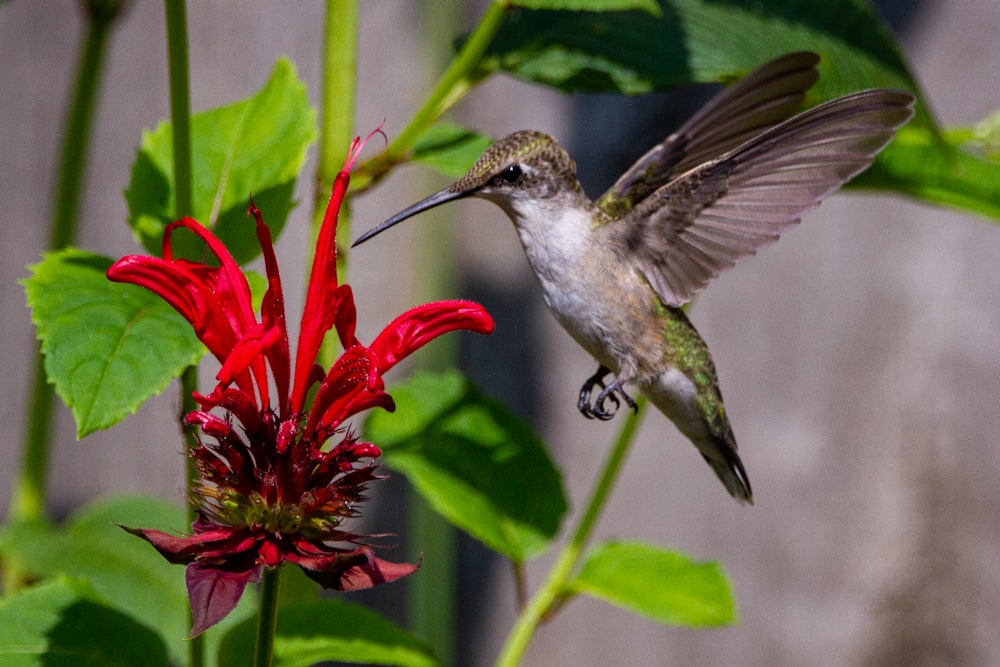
(859, 356)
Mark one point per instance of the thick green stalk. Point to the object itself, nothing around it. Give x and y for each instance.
(180, 119)
(456, 81)
(175, 12)
(267, 618)
(28, 495)
(180, 103)
(551, 592)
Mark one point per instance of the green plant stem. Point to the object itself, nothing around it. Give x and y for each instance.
(340, 47)
(267, 618)
(28, 492)
(180, 103)
(551, 592)
(456, 81)
(175, 12)
(180, 119)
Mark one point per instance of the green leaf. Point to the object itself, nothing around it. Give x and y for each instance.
(123, 569)
(255, 146)
(649, 6)
(475, 463)
(959, 170)
(449, 149)
(64, 623)
(665, 586)
(108, 346)
(698, 41)
(328, 630)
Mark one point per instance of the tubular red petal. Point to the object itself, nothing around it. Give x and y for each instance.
(345, 316)
(238, 403)
(174, 282)
(420, 325)
(209, 424)
(352, 376)
(215, 300)
(272, 311)
(231, 277)
(316, 316)
(357, 401)
(246, 355)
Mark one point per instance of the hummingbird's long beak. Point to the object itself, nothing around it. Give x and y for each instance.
(436, 199)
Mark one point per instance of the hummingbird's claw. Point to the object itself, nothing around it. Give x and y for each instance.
(599, 410)
(610, 392)
(583, 403)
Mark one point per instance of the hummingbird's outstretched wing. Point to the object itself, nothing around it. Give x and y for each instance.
(765, 97)
(702, 222)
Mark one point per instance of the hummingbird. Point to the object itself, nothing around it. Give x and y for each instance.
(616, 272)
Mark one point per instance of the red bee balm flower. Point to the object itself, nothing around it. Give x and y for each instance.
(270, 487)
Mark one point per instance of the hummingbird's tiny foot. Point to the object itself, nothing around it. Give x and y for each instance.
(598, 411)
(583, 402)
(611, 393)
(629, 401)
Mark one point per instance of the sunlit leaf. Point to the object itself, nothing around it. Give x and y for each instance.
(108, 346)
(959, 170)
(256, 146)
(704, 41)
(665, 586)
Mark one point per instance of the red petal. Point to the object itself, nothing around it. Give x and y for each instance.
(176, 549)
(168, 280)
(214, 592)
(375, 572)
(216, 301)
(418, 326)
(317, 316)
(230, 277)
(346, 316)
(216, 542)
(352, 385)
(352, 570)
(324, 299)
(272, 312)
(238, 402)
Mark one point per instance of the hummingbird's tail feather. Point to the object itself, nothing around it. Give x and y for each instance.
(733, 475)
(704, 423)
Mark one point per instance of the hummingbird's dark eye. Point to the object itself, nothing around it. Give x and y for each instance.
(512, 174)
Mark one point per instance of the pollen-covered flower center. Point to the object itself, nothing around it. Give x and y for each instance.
(293, 518)
(300, 491)
(308, 517)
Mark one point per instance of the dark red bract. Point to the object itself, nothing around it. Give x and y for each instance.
(278, 476)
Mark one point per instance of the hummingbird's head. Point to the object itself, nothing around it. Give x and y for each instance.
(526, 168)
(525, 164)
